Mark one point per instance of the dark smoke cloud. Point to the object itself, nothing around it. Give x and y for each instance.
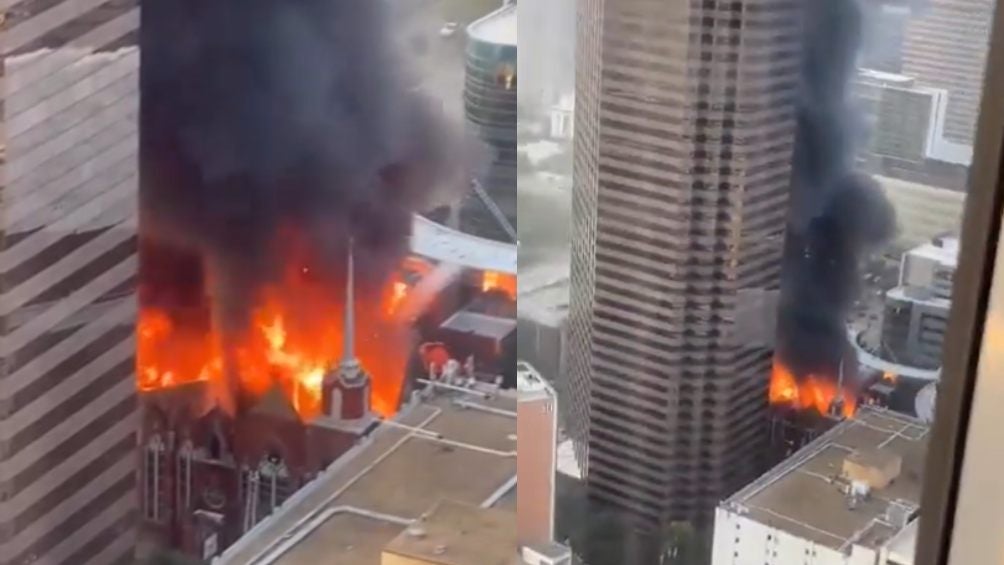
(264, 115)
(837, 215)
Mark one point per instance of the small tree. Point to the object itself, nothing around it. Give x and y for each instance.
(682, 544)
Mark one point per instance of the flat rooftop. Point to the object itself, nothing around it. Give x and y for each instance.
(919, 296)
(530, 386)
(369, 496)
(454, 533)
(497, 27)
(946, 253)
(442, 243)
(882, 76)
(479, 324)
(800, 497)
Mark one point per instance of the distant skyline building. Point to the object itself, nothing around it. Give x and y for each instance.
(884, 30)
(907, 131)
(916, 311)
(945, 46)
(684, 131)
(490, 109)
(68, 482)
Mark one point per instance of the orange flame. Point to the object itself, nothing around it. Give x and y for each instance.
(493, 280)
(295, 338)
(171, 355)
(890, 378)
(809, 393)
(434, 356)
(399, 291)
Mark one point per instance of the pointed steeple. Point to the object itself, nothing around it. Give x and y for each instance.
(349, 370)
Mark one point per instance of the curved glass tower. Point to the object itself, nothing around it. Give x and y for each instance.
(490, 109)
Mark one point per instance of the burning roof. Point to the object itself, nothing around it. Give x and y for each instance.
(273, 133)
(296, 336)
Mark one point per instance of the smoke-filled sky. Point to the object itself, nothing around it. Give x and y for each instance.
(837, 215)
(265, 115)
(547, 30)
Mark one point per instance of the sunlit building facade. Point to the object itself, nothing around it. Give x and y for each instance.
(68, 492)
(945, 47)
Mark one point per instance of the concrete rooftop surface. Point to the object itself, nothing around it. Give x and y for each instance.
(803, 497)
(460, 533)
(372, 494)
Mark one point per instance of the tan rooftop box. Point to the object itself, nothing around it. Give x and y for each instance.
(873, 467)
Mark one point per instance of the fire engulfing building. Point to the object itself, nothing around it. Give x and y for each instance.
(490, 107)
(210, 475)
(264, 164)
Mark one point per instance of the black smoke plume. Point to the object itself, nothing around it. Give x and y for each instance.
(264, 117)
(837, 215)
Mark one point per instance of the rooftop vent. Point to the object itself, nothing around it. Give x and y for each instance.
(875, 468)
(900, 513)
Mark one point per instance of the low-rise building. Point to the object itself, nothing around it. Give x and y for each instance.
(444, 445)
(851, 497)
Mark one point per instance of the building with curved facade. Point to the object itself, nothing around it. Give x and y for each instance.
(685, 123)
(490, 110)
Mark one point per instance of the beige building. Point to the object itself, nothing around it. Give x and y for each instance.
(444, 469)
(685, 119)
(536, 463)
(452, 533)
(68, 257)
(945, 47)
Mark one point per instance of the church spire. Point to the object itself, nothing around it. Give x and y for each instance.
(348, 369)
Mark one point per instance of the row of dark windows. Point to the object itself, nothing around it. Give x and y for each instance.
(694, 235)
(632, 470)
(609, 484)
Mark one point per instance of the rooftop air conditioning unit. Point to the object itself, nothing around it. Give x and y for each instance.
(546, 554)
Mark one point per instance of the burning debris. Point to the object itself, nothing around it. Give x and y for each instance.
(837, 217)
(273, 133)
(493, 281)
(811, 392)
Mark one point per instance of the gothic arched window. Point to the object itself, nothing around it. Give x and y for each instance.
(153, 475)
(183, 476)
